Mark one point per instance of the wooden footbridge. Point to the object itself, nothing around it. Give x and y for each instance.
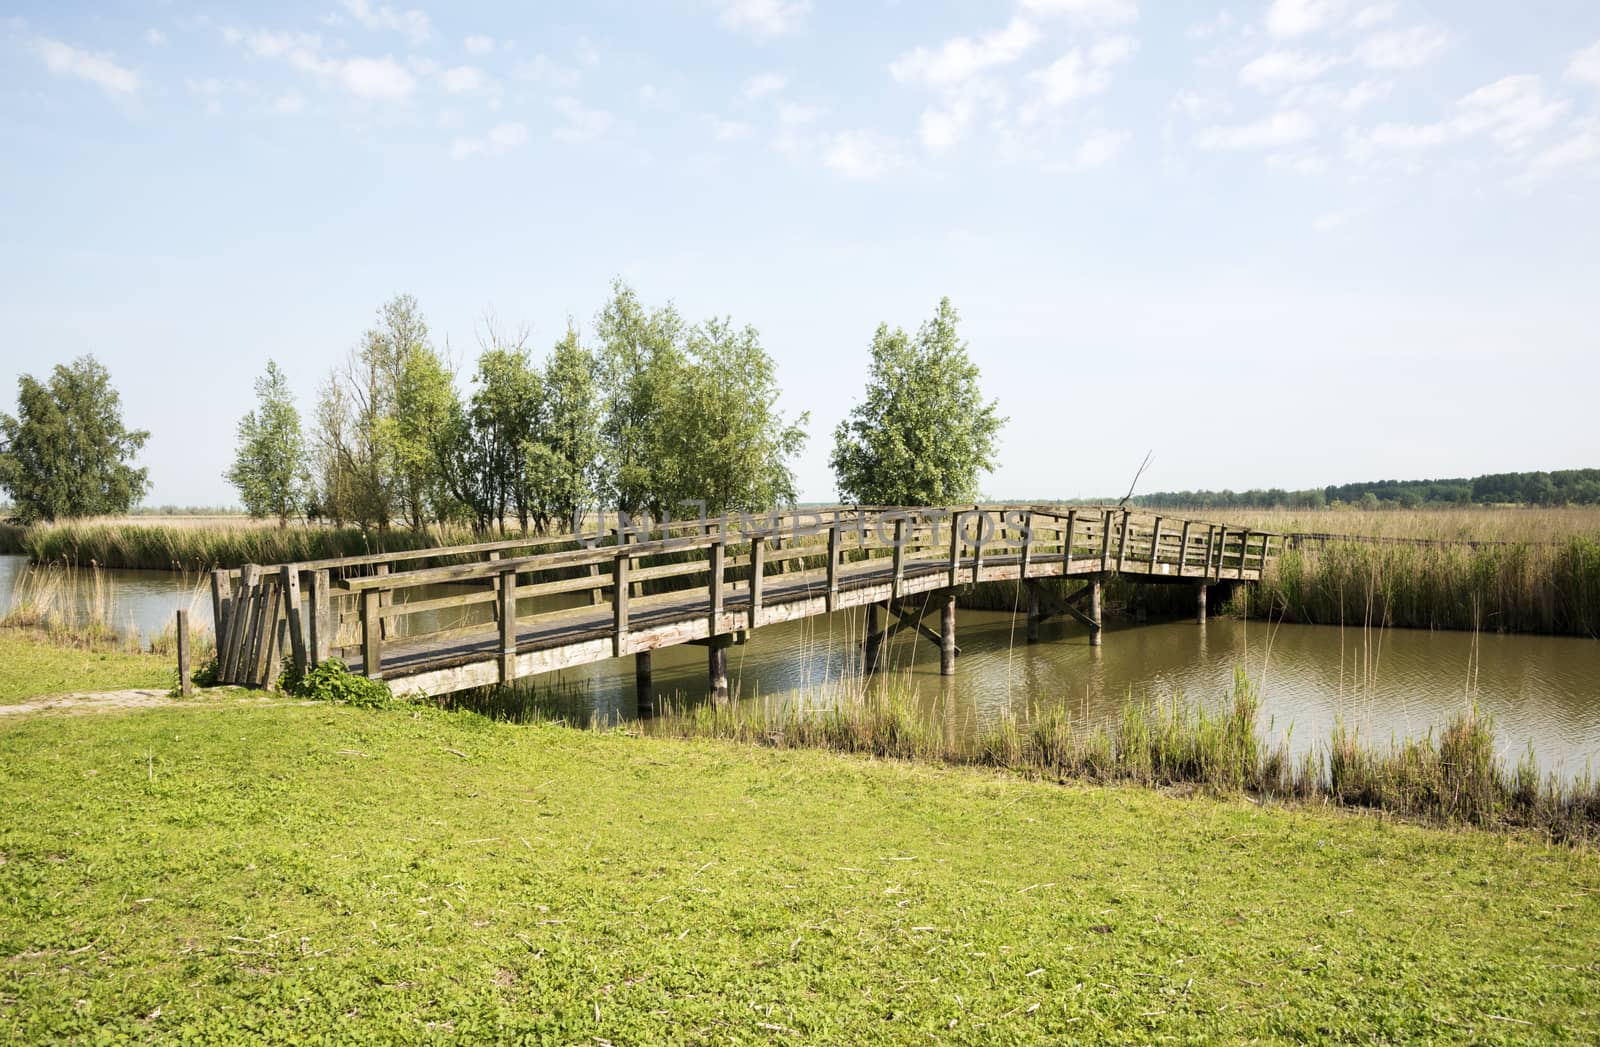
(445, 619)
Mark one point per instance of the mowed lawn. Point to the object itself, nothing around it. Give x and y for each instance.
(231, 872)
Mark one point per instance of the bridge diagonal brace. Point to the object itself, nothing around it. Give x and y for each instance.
(911, 617)
(1067, 606)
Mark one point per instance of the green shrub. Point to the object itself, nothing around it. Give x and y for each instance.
(332, 681)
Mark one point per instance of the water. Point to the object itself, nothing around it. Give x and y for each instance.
(1541, 691)
(141, 600)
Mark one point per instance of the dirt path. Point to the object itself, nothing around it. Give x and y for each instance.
(88, 702)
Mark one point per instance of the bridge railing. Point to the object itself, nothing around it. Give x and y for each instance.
(353, 607)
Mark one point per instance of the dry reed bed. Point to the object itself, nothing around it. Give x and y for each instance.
(77, 607)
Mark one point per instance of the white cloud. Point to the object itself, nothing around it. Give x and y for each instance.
(479, 45)
(100, 70)
(1586, 64)
(541, 69)
(962, 57)
(288, 104)
(1077, 75)
(1100, 148)
(765, 19)
(462, 79)
(1409, 136)
(728, 130)
(762, 85)
(1104, 11)
(1279, 129)
(501, 138)
(1284, 67)
(154, 37)
(795, 113)
(1581, 148)
(1327, 223)
(381, 78)
(1513, 110)
(1365, 93)
(940, 128)
(582, 123)
(1298, 17)
(1374, 14)
(860, 155)
(413, 24)
(1403, 48)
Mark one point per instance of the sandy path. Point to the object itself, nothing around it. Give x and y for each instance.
(88, 702)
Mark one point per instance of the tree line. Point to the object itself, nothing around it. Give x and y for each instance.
(1561, 487)
(657, 415)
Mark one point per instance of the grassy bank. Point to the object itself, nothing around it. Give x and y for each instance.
(302, 873)
(36, 663)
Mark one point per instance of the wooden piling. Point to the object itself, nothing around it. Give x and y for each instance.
(641, 683)
(947, 635)
(717, 663)
(1097, 626)
(1033, 611)
(1200, 591)
(185, 684)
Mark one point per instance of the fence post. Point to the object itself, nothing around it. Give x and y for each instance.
(619, 604)
(321, 618)
(833, 565)
(185, 685)
(371, 635)
(719, 566)
(758, 567)
(289, 581)
(506, 605)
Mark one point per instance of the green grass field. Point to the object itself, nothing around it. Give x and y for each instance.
(31, 666)
(223, 872)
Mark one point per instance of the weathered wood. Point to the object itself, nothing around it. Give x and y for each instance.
(221, 604)
(955, 547)
(289, 582)
(506, 611)
(1222, 550)
(1200, 591)
(642, 682)
(874, 640)
(758, 567)
(185, 684)
(250, 650)
(947, 635)
(1027, 545)
(619, 605)
(1033, 608)
(494, 586)
(1096, 628)
(1183, 549)
(717, 670)
(1155, 545)
(371, 635)
(266, 665)
(1105, 542)
(833, 567)
(238, 623)
(716, 585)
(899, 556)
(1244, 545)
(321, 617)
(1122, 542)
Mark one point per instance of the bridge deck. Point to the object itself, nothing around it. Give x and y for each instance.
(723, 578)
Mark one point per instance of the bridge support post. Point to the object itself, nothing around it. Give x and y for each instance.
(1033, 611)
(876, 621)
(1200, 591)
(641, 683)
(1096, 584)
(947, 635)
(717, 666)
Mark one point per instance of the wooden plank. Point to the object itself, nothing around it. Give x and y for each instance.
(833, 567)
(1222, 549)
(221, 603)
(899, 556)
(758, 567)
(371, 635)
(321, 617)
(1244, 544)
(1105, 543)
(265, 669)
(249, 650)
(715, 585)
(185, 684)
(619, 605)
(1155, 545)
(1122, 542)
(1027, 544)
(238, 623)
(494, 554)
(955, 547)
(1066, 542)
(977, 545)
(1183, 549)
(290, 584)
(507, 609)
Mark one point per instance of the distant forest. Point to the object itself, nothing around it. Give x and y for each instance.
(1563, 487)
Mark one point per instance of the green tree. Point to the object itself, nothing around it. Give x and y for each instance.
(423, 397)
(563, 460)
(483, 447)
(924, 432)
(641, 361)
(269, 466)
(726, 442)
(66, 452)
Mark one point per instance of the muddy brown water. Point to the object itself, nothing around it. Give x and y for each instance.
(1541, 691)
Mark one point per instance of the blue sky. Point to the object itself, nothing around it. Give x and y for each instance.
(1279, 243)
